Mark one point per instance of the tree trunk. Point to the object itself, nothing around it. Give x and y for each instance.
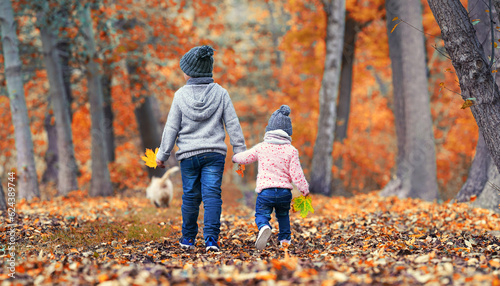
(479, 173)
(321, 174)
(26, 172)
(108, 115)
(146, 121)
(490, 195)
(64, 52)
(274, 33)
(51, 158)
(482, 169)
(472, 68)
(416, 158)
(66, 167)
(344, 102)
(100, 184)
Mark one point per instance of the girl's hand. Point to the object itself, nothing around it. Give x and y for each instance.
(160, 163)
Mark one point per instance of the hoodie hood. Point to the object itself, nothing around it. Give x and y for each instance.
(199, 102)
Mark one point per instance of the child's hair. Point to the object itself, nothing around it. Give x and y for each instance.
(280, 120)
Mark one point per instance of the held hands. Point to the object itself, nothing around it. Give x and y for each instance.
(160, 164)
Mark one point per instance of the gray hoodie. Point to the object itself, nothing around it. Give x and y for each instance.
(196, 120)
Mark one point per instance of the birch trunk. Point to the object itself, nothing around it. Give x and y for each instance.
(100, 184)
(472, 68)
(66, 167)
(26, 173)
(416, 158)
(321, 174)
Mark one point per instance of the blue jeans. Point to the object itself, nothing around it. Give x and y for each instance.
(201, 181)
(278, 199)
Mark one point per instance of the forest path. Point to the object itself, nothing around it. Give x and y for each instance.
(360, 240)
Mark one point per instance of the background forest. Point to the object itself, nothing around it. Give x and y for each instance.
(126, 54)
(395, 110)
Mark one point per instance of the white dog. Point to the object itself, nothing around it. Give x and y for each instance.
(161, 191)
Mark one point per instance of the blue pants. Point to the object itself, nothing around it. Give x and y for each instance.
(278, 199)
(201, 181)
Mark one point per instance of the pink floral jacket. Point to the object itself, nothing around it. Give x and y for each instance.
(279, 163)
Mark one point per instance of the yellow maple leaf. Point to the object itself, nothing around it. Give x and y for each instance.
(303, 204)
(150, 158)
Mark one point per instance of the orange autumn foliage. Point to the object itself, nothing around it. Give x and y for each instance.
(262, 67)
(368, 153)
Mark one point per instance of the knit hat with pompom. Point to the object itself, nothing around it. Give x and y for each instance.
(198, 62)
(280, 120)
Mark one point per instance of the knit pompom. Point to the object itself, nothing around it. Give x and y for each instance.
(204, 52)
(285, 110)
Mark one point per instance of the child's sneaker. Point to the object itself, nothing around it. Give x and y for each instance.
(284, 243)
(264, 234)
(187, 243)
(211, 244)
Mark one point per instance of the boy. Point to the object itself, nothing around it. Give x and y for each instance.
(200, 110)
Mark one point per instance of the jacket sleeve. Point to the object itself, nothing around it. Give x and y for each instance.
(233, 126)
(246, 157)
(297, 173)
(170, 132)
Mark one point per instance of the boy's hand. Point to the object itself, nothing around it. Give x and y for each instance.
(160, 163)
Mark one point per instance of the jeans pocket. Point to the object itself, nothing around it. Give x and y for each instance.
(215, 163)
(268, 193)
(283, 193)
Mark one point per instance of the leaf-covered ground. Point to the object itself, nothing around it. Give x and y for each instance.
(361, 240)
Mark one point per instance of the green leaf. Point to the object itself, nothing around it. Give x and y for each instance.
(303, 204)
(475, 22)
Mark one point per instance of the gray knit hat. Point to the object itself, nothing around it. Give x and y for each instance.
(280, 120)
(198, 62)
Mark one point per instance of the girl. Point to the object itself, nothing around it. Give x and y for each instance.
(279, 166)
